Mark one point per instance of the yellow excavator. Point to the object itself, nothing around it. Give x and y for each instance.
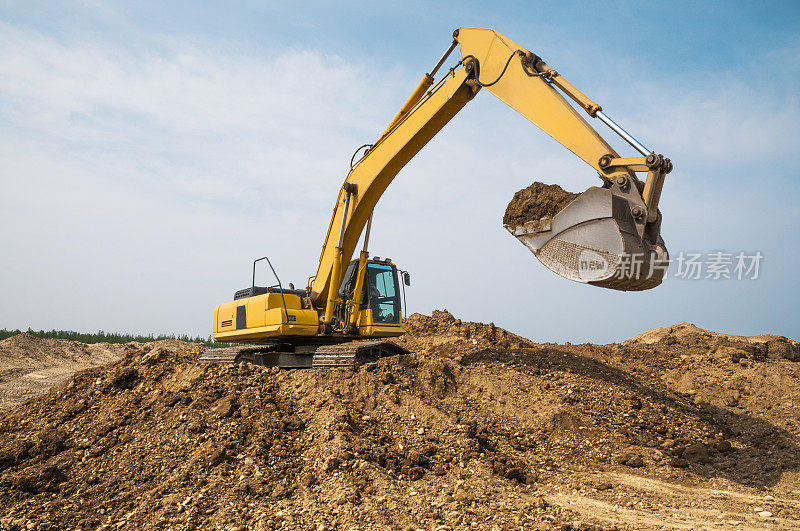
(350, 308)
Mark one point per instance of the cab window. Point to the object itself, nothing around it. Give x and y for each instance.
(349, 281)
(383, 296)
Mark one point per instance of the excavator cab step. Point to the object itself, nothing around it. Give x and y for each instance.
(603, 238)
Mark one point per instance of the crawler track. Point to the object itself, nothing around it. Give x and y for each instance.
(348, 355)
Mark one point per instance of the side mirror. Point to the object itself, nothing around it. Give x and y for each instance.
(406, 278)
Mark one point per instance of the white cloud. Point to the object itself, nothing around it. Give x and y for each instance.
(217, 115)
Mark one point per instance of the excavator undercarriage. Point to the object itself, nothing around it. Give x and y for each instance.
(348, 354)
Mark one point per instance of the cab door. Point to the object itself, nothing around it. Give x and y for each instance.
(383, 293)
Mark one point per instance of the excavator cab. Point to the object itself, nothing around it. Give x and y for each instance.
(380, 309)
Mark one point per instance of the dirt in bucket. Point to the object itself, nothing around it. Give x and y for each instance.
(535, 202)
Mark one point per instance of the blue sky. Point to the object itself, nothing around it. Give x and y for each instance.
(150, 150)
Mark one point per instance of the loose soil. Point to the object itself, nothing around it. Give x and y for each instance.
(678, 428)
(30, 366)
(535, 202)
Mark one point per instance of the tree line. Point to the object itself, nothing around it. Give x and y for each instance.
(108, 337)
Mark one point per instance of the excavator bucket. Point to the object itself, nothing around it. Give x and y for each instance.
(602, 238)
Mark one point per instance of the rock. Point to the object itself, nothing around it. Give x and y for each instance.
(44, 479)
(445, 499)
(124, 378)
(723, 446)
(217, 456)
(196, 426)
(154, 356)
(731, 400)
(415, 473)
(696, 453)
(293, 423)
(635, 461)
(332, 464)
(418, 458)
(224, 407)
(679, 462)
(736, 355)
(462, 496)
(308, 480)
(631, 459)
(765, 514)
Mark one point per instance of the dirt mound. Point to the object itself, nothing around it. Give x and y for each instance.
(477, 427)
(535, 202)
(653, 335)
(30, 365)
(443, 333)
(777, 347)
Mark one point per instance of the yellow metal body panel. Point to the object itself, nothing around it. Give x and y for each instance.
(265, 318)
(368, 328)
(357, 291)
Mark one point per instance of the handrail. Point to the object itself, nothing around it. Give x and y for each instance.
(253, 288)
(403, 284)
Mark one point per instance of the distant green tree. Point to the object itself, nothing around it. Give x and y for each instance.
(113, 337)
